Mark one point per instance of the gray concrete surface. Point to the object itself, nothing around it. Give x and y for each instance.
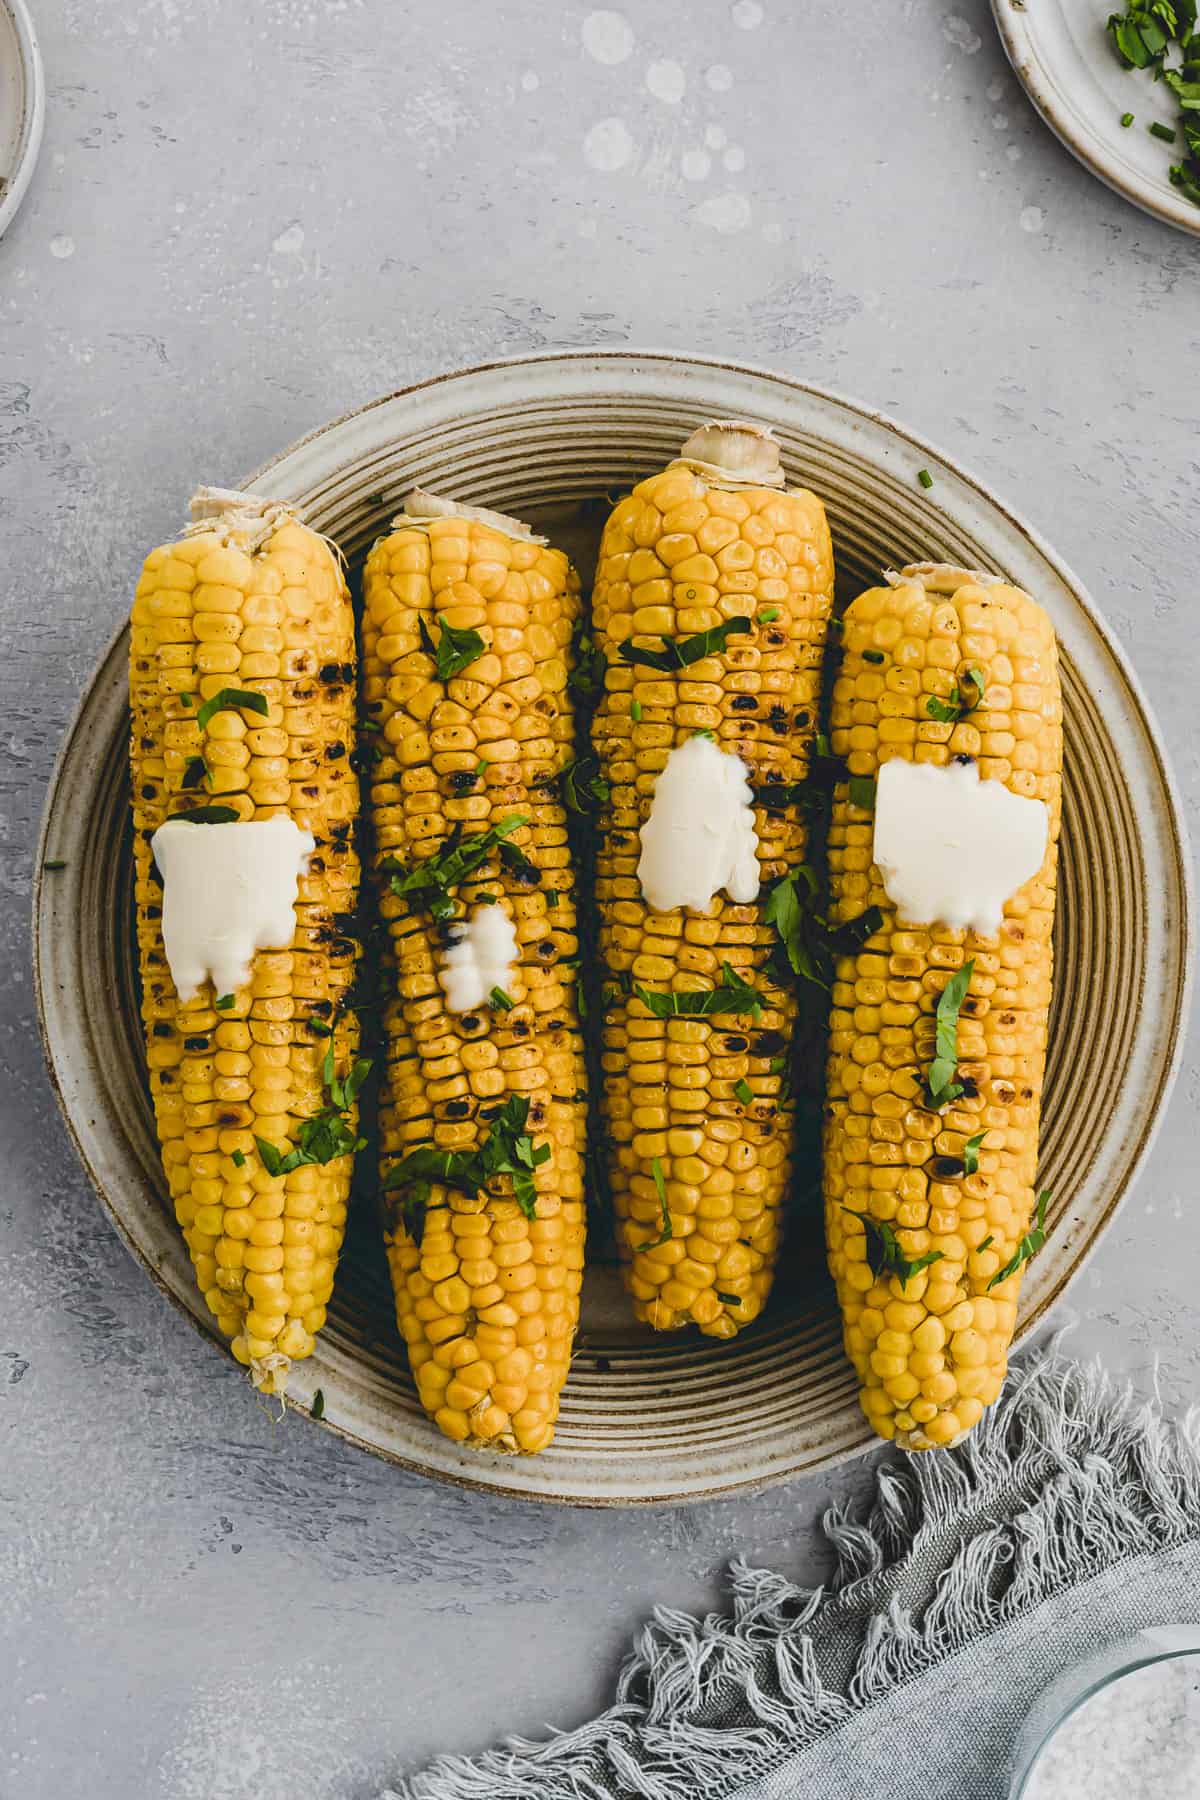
(249, 216)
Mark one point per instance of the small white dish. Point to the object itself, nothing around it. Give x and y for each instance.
(22, 106)
(1064, 59)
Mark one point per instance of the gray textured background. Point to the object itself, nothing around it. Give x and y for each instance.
(251, 215)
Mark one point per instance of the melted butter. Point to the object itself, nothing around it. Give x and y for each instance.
(952, 849)
(228, 890)
(700, 834)
(480, 957)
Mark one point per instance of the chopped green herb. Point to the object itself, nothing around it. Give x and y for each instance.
(482, 766)
(1029, 1245)
(54, 862)
(195, 771)
(327, 1135)
(874, 656)
(925, 478)
(667, 1231)
(455, 650)
(744, 1091)
(318, 1405)
(777, 1065)
(238, 1159)
(1186, 92)
(1126, 120)
(940, 1085)
(965, 696)
(635, 710)
(589, 665)
(1163, 132)
(499, 1001)
(232, 700)
(551, 897)
(319, 1028)
(188, 699)
(518, 864)
(986, 1244)
(971, 1151)
(810, 944)
(582, 786)
(680, 653)
(427, 887)
(486, 899)
(769, 614)
(225, 1002)
(822, 747)
(733, 996)
(728, 1299)
(862, 792)
(1142, 34)
(884, 1252)
(210, 815)
(507, 1150)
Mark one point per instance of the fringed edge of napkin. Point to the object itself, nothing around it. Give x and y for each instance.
(1067, 1475)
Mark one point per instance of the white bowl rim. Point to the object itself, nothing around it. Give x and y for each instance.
(34, 118)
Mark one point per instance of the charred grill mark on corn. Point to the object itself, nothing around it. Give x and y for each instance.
(488, 1299)
(931, 1351)
(689, 549)
(249, 599)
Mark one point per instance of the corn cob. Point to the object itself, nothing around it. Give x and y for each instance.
(249, 599)
(697, 1118)
(931, 1348)
(487, 1296)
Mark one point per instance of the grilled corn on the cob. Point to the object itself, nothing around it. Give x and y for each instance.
(487, 1293)
(930, 1346)
(698, 1124)
(249, 600)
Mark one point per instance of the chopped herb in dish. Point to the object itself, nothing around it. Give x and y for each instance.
(925, 478)
(681, 653)
(1029, 1245)
(455, 650)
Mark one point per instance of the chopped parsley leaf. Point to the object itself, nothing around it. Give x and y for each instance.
(238, 1159)
(232, 700)
(456, 649)
(971, 1151)
(940, 1085)
(427, 886)
(1029, 1245)
(680, 653)
(582, 786)
(667, 1230)
(225, 1002)
(508, 1149)
(884, 1253)
(210, 815)
(733, 996)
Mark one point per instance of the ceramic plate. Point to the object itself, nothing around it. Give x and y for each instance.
(649, 1418)
(22, 105)
(1065, 61)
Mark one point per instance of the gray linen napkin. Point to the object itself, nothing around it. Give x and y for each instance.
(1068, 1520)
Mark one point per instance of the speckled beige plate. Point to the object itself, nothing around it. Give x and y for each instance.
(651, 1419)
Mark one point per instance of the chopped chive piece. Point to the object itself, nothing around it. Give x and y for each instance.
(238, 1159)
(232, 700)
(873, 656)
(777, 1065)
(1163, 132)
(971, 1151)
(225, 1002)
(482, 766)
(925, 478)
(551, 896)
(667, 1230)
(940, 1085)
(318, 1405)
(486, 899)
(499, 1001)
(54, 862)
(769, 614)
(1127, 120)
(187, 699)
(862, 792)
(680, 653)
(986, 1244)
(319, 1028)
(635, 710)
(1029, 1245)
(728, 1299)
(744, 1091)
(965, 696)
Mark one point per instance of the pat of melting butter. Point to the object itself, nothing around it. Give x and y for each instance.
(700, 834)
(228, 890)
(952, 849)
(480, 957)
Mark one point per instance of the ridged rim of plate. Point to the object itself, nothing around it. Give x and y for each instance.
(1020, 23)
(33, 111)
(645, 1420)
